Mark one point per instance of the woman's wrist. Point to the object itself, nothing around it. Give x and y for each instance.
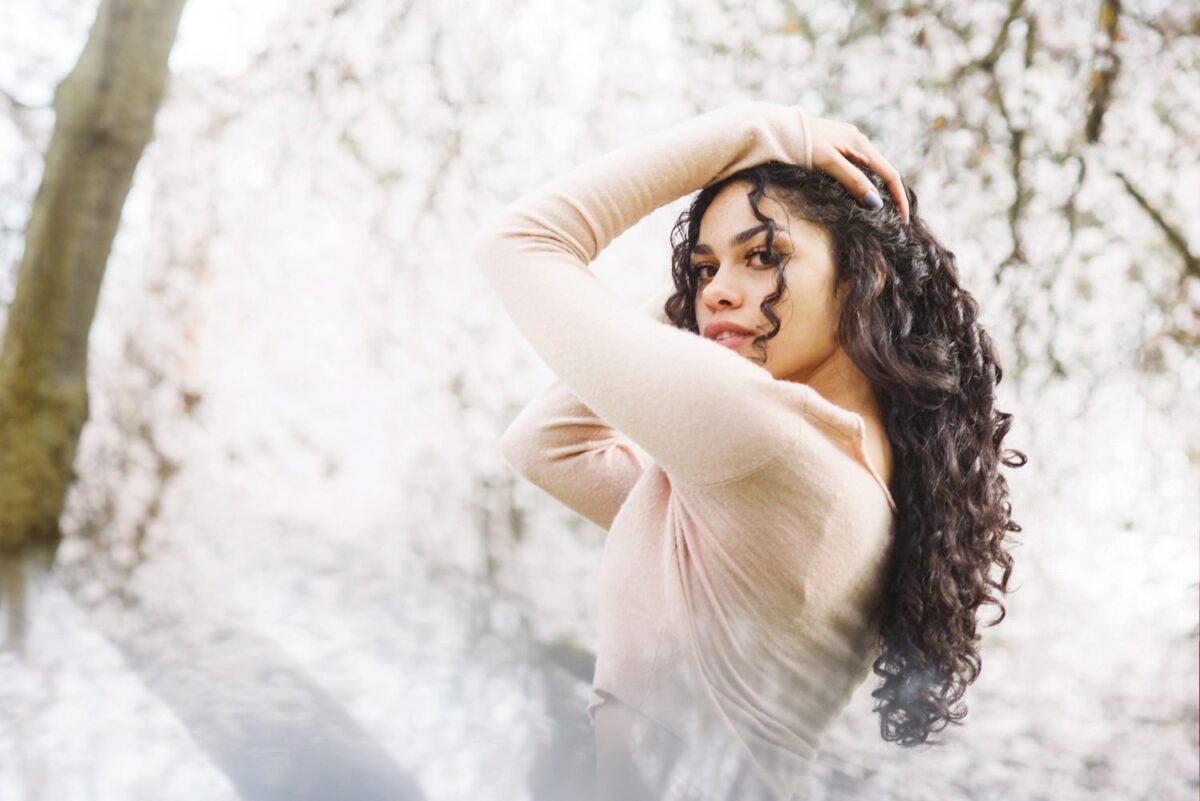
(767, 131)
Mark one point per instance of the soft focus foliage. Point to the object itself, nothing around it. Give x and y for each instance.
(298, 380)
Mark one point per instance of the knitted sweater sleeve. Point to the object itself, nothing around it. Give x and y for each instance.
(703, 412)
(562, 446)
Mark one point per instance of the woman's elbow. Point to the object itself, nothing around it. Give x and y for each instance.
(520, 450)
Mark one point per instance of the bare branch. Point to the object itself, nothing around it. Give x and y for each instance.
(1104, 73)
(988, 61)
(1191, 263)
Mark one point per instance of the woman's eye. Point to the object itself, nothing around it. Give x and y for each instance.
(766, 257)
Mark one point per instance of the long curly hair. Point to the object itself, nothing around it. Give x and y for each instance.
(909, 326)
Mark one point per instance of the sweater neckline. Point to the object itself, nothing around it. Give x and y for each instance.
(853, 427)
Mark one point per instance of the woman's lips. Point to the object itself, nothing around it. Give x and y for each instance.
(732, 342)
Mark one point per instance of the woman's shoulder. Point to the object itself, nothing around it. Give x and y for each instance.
(833, 458)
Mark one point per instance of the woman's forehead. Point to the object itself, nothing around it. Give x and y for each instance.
(730, 214)
(731, 211)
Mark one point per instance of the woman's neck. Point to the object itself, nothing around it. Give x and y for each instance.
(840, 382)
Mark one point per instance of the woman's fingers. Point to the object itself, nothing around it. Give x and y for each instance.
(848, 175)
(884, 169)
(835, 143)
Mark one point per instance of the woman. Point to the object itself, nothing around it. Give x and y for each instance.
(790, 505)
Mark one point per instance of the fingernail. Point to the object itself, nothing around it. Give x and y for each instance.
(872, 201)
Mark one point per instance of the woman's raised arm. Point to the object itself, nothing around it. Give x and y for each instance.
(703, 412)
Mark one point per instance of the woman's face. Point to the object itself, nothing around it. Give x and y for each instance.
(733, 276)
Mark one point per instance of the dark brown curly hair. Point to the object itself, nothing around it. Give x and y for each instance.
(912, 330)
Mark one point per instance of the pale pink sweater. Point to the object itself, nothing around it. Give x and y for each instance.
(748, 528)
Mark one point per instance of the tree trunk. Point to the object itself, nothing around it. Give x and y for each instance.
(104, 117)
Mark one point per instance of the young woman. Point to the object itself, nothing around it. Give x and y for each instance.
(797, 460)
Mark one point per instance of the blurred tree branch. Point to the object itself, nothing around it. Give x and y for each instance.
(1191, 262)
(1104, 74)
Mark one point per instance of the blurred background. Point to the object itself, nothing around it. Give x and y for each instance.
(289, 560)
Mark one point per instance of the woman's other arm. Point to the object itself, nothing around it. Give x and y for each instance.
(559, 444)
(562, 446)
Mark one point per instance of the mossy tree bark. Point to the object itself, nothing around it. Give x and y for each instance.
(104, 117)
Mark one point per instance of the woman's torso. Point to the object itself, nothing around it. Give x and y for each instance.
(740, 615)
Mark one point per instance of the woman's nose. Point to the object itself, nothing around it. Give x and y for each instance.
(722, 289)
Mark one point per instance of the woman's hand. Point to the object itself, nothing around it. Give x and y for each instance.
(835, 143)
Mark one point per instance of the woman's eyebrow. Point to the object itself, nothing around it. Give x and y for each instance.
(738, 239)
